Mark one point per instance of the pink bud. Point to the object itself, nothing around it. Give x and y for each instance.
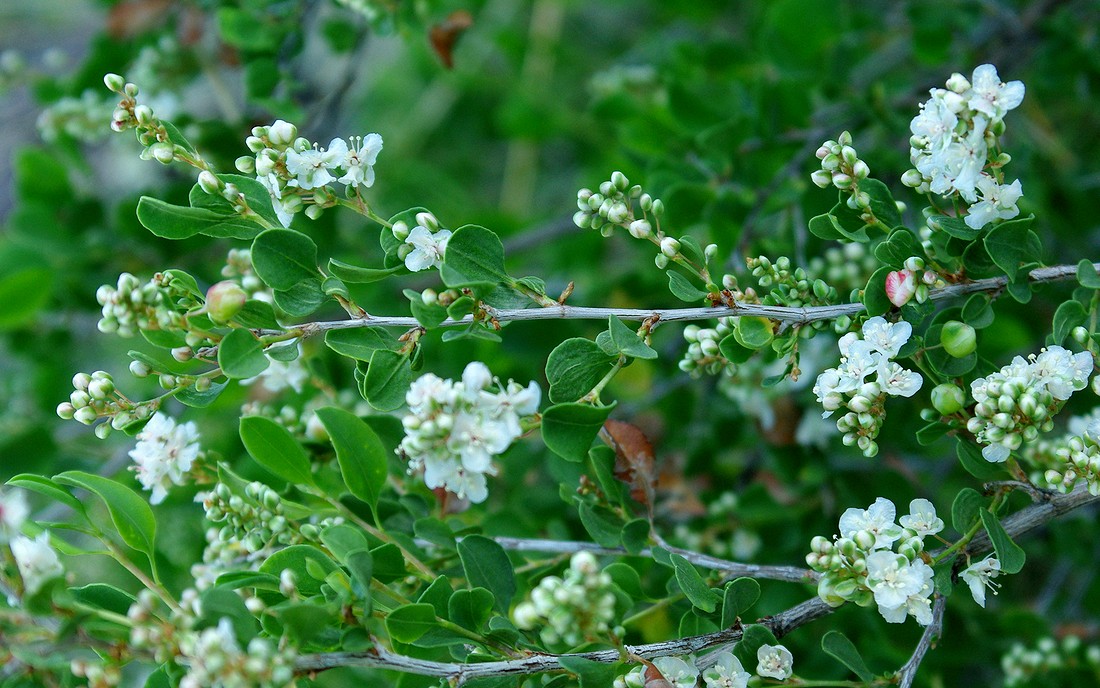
(900, 287)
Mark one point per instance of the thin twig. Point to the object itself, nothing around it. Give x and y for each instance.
(932, 633)
(794, 316)
(1037, 494)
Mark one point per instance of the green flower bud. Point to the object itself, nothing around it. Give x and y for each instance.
(948, 398)
(224, 300)
(958, 339)
(114, 82)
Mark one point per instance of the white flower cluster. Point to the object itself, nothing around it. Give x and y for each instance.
(572, 609)
(78, 118)
(297, 172)
(1019, 401)
(130, 306)
(164, 454)
(848, 385)
(36, 560)
(214, 659)
(454, 429)
(1029, 667)
(862, 565)
(424, 246)
(773, 661)
(1060, 463)
(955, 136)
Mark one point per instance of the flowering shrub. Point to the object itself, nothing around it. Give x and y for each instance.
(354, 446)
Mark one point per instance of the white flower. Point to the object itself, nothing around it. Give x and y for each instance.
(885, 337)
(1062, 372)
(935, 123)
(996, 453)
(164, 454)
(36, 560)
(312, 165)
(282, 211)
(726, 672)
(898, 381)
(359, 162)
(991, 96)
(280, 375)
(477, 440)
(13, 512)
(476, 377)
(918, 606)
(678, 672)
(428, 249)
(998, 202)
(856, 366)
(980, 575)
(893, 579)
(878, 519)
(774, 661)
(922, 518)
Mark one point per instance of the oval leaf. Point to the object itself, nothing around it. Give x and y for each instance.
(274, 448)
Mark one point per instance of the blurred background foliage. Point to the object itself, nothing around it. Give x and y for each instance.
(715, 107)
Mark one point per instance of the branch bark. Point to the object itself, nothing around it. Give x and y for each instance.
(781, 624)
(932, 633)
(790, 316)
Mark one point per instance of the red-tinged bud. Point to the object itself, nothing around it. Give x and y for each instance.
(224, 300)
(900, 287)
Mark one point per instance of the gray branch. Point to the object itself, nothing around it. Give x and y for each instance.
(932, 633)
(1023, 521)
(790, 316)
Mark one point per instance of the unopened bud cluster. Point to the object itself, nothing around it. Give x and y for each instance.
(703, 355)
(842, 168)
(80, 118)
(844, 267)
(130, 305)
(151, 132)
(94, 397)
(912, 282)
(573, 609)
(213, 657)
(790, 287)
(297, 173)
(1061, 463)
(878, 561)
(256, 519)
(850, 385)
(1020, 400)
(98, 674)
(238, 267)
(1070, 658)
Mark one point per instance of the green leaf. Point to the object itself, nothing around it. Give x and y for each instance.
(48, 488)
(407, 623)
(360, 343)
(753, 332)
(437, 594)
(733, 350)
(189, 396)
(1008, 245)
(284, 258)
(821, 226)
(305, 622)
(978, 311)
(931, 433)
(970, 456)
(1009, 554)
(181, 222)
(955, 226)
(434, 531)
(1087, 275)
(635, 535)
(302, 299)
(274, 448)
(241, 355)
(1069, 315)
(297, 558)
(569, 429)
(361, 455)
(131, 514)
(574, 367)
(256, 315)
(104, 596)
(693, 585)
(487, 566)
(627, 341)
(257, 195)
(470, 608)
(964, 510)
(882, 202)
(837, 645)
(626, 577)
(752, 638)
(683, 289)
(474, 255)
(602, 524)
(342, 539)
(738, 597)
(353, 274)
(875, 299)
(900, 246)
(222, 603)
(387, 380)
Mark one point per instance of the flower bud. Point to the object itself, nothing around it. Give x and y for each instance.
(948, 398)
(85, 415)
(281, 133)
(617, 213)
(912, 178)
(958, 339)
(114, 82)
(860, 170)
(821, 179)
(224, 300)
(670, 247)
(209, 182)
(901, 285)
(247, 165)
(661, 261)
(400, 230)
(427, 221)
(619, 180)
(640, 229)
(581, 219)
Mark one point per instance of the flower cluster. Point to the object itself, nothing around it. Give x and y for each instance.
(36, 560)
(848, 385)
(214, 659)
(1027, 667)
(845, 267)
(572, 609)
(93, 397)
(255, 519)
(794, 288)
(13, 513)
(424, 246)
(454, 429)
(130, 306)
(238, 267)
(1060, 463)
(773, 661)
(80, 118)
(297, 172)
(955, 137)
(911, 282)
(1019, 401)
(702, 354)
(862, 565)
(164, 454)
(842, 168)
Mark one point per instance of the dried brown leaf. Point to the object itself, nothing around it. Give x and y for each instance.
(634, 460)
(445, 35)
